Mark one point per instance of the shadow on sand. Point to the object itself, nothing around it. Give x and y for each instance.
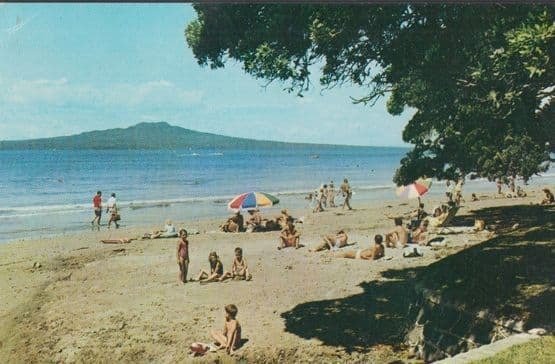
(508, 277)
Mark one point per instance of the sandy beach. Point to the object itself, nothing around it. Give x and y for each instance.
(72, 299)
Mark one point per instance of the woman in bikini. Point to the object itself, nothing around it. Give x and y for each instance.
(332, 242)
(374, 253)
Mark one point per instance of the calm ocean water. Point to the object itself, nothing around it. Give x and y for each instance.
(50, 192)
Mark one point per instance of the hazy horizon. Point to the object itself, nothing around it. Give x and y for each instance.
(194, 130)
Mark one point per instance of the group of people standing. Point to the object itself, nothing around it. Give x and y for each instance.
(111, 208)
(324, 197)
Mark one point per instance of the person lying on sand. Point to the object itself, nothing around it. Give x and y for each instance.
(399, 235)
(289, 236)
(230, 337)
(239, 268)
(118, 241)
(549, 198)
(234, 224)
(168, 232)
(332, 242)
(373, 253)
(216, 269)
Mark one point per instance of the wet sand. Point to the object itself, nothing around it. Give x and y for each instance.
(70, 298)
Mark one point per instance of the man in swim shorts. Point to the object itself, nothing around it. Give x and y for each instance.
(97, 206)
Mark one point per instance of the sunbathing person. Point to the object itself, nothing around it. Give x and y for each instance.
(234, 224)
(216, 269)
(419, 235)
(438, 219)
(230, 337)
(254, 223)
(549, 198)
(520, 192)
(239, 268)
(289, 236)
(282, 218)
(118, 241)
(332, 242)
(374, 253)
(168, 232)
(399, 235)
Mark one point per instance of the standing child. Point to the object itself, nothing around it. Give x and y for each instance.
(230, 338)
(239, 268)
(183, 255)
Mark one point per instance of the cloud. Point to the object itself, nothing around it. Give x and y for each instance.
(61, 92)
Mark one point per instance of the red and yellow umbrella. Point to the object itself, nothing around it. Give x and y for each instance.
(252, 200)
(419, 188)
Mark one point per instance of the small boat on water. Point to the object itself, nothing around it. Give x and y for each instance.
(314, 156)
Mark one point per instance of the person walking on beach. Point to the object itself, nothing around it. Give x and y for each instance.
(97, 206)
(331, 195)
(112, 208)
(183, 255)
(347, 193)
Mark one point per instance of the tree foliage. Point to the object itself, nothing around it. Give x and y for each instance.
(480, 78)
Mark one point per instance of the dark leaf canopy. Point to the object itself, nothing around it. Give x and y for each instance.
(480, 78)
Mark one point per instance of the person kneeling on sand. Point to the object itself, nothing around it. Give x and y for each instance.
(289, 236)
(239, 268)
(399, 235)
(230, 337)
(332, 242)
(216, 269)
(374, 253)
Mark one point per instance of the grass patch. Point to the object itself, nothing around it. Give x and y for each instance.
(541, 350)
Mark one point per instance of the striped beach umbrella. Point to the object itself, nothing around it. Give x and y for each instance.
(252, 200)
(419, 188)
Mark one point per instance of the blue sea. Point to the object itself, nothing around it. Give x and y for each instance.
(50, 192)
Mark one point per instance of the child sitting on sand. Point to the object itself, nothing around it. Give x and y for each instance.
(216, 269)
(373, 253)
(239, 268)
(332, 242)
(230, 337)
(289, 236)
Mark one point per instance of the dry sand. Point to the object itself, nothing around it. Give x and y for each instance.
(91, 302)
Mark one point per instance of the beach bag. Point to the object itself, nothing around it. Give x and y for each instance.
(412, 251)
(117, 217)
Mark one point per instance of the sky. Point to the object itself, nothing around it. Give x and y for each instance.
(70, 68)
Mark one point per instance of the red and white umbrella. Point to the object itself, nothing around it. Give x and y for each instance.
(419, 188)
